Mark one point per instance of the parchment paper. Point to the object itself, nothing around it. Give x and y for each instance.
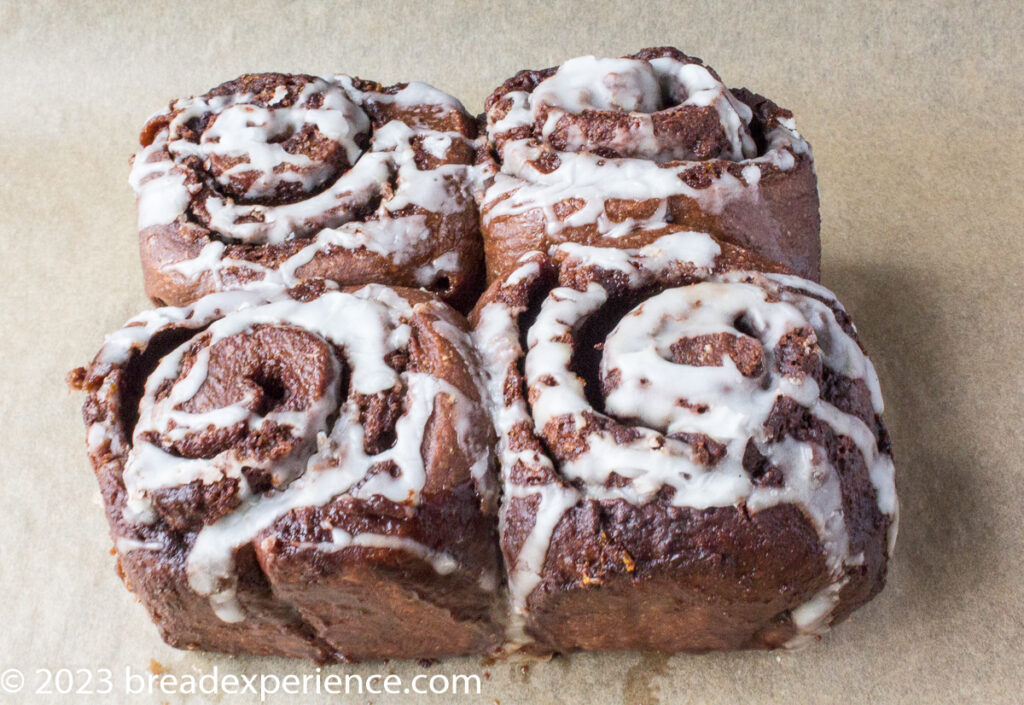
(914, 112)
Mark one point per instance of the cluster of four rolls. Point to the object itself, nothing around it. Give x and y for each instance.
(654, 430)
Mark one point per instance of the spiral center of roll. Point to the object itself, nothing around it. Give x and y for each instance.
(589, 83)
(261, 393)
(663, 109)
(693, 359)
(280, 145)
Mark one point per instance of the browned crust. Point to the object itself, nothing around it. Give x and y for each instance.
(657, 577)
(352, 604)
(781, 223)
(457, 230)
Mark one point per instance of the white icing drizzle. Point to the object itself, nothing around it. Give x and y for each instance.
(636, 87)
(650, 386)
(653, 171)
(441, 265)
(442, 563)
(338, 464)
(342, 319)
(328, 461)
(696, 249)
(497, 340)
(246, 136)
(160, 188)
(812, 619)
(124, 544)
(244, 131)
(404, 240)
(414, 94)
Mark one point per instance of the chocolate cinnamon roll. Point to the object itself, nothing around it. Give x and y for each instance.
(288, 177)
(619, 152)
(303, 472)
(692, 451)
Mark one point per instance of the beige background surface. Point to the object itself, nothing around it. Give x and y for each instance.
(914, 111)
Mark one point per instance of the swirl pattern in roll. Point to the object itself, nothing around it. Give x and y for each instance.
(620, 152)
(302, 472)
(289, 177)
(692, 450)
